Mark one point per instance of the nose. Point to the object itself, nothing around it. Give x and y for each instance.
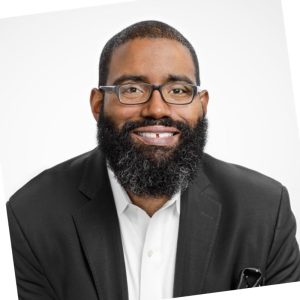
(156, 107)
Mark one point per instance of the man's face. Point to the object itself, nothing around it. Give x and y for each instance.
(154, 134)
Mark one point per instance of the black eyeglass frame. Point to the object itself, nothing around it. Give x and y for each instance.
(116, 89)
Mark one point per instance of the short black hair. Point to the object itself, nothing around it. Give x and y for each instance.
(144, 29)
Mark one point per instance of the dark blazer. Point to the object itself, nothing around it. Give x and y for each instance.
(67, 246)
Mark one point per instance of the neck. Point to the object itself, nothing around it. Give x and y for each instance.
(148, 204)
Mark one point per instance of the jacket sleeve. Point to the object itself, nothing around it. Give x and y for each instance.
(284, 259)
(32, 283)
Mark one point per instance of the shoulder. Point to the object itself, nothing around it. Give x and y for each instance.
(222, 173)
(53, 187)
(240, 187)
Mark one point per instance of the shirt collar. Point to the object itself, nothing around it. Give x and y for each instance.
(122, 199)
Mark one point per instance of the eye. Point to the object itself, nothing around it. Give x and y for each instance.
(179, 89)
(131, 89)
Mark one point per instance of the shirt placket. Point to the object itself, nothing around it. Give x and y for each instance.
(150, 263)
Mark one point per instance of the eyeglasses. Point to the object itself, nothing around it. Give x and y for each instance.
(177, 92)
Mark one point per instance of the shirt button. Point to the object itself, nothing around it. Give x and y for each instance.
(150, 253)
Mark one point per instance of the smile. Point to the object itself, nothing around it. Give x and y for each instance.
(156, 135)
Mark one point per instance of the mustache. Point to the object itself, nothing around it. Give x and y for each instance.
(132, 125)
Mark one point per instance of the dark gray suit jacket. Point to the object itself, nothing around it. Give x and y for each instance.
(67, 246)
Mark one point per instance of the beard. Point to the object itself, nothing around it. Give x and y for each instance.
(152, 171)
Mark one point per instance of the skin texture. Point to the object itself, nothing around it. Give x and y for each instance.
(154, 60)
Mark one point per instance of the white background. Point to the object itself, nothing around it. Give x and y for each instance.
(49, 64)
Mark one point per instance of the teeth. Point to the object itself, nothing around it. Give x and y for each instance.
(148, 134)
(152, 135)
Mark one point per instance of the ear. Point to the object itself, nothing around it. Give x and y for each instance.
(96, 100)
(204, 97)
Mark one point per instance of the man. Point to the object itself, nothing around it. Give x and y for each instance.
(148, 215)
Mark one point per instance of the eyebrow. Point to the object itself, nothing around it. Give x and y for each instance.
(172, 77)
(141, 78)
(123, 78)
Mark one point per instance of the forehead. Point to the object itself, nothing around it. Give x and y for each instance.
(153, 58)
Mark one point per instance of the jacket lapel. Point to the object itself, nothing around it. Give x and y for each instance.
(99, 233)
(199, 219)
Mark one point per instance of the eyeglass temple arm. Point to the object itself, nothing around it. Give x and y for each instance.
(107, 87)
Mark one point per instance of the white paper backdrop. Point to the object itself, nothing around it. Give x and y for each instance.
(49, 64)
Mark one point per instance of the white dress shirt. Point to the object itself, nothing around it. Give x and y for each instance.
(149, 245)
